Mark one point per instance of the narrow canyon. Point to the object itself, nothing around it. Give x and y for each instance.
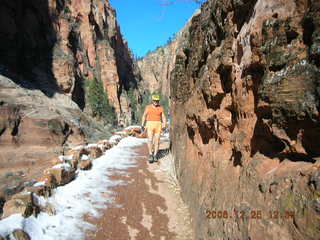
(242, 78)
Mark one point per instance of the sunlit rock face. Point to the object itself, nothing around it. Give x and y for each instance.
(59, 45)
(155, 68)
(245, 119)
(49, 51)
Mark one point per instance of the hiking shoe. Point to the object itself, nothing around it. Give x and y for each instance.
(151, 158)
(155, 157)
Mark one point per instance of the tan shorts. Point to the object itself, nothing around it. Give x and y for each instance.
(153, 127)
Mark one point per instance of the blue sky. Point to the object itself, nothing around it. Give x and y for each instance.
(146, 24)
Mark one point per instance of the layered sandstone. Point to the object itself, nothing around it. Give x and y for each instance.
(245, 119)
(49, 50)
(57, 46)
(155, 68)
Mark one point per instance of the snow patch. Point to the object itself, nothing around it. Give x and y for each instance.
(65, 166)
(78, 148)
(84, 195)
(63, 158)
(92, 145)
(131, 127)
(85, 157)
(38, 184)
(114, 138)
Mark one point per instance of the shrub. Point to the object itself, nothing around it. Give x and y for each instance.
(143, 103)
(99, 103)
(9, 174)
(133, 104)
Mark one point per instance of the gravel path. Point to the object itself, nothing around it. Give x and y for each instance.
(145, 207)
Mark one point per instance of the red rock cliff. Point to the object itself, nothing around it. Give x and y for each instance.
(155, 68)
(245, 119)
(48, 51)
(59, 45)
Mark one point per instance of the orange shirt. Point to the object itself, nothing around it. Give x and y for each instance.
(154, 113)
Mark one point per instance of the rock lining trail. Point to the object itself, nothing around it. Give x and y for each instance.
(145, 205)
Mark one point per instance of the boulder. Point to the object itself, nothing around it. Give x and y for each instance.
(95, 152)
(59, 176)
(49, 180)
(85, 164)
(55, 161)
(122, 133)
(44, 191)
(19, 234)
(77, 154)
(49, 209)
(133, 131)
(73, 163)
(71, 159)
(105, 145)
(20, 203)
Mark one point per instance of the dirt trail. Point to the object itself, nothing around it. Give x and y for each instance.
(146, 206)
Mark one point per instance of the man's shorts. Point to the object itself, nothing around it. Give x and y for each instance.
(153, 127)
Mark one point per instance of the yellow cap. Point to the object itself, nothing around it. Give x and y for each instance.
(156, 97)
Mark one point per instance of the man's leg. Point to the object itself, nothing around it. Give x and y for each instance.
(150, 145)
(156, 145)
(150, 142)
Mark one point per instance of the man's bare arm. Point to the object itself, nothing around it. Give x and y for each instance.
(164, 120)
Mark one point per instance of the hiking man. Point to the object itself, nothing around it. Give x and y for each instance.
(156, 121)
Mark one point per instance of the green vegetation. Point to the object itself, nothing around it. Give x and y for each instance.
(55, 126)
(99, 103)
(9, 174)
(146, 99)
(66, 9)
(164, 101)
(133, 101)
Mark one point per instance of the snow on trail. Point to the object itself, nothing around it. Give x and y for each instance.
(84, 195)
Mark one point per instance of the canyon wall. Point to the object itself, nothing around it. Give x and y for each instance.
(59, 45)
(155, 68)
(49, 52)
(245, 119)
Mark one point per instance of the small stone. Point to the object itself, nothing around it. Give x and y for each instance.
(77, 154)
(263, 187)
(85, 164)
(59, 176)
(39, 190)
(19, 203)
(95, 152)
(315, 180)
(55, 161)
(50, 209)
(19, 234)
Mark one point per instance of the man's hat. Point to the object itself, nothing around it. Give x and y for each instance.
(156, 97)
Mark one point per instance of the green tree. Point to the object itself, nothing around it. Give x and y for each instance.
(133, 102)
(164, 101)
(99, 103)
(143, 103)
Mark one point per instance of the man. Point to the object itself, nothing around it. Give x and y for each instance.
(156, 121)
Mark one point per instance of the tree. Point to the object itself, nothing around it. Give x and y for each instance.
(99, 102)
